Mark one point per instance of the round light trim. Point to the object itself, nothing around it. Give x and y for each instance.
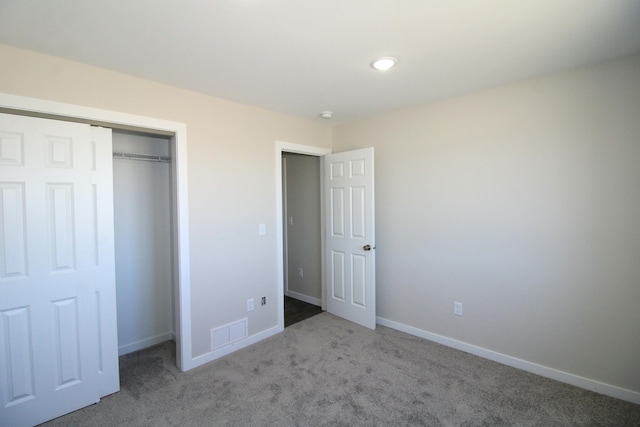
(385, 63)
(326, 114)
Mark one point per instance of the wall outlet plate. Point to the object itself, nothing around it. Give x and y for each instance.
(457, 308)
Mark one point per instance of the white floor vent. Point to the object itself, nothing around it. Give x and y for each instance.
(229, 333)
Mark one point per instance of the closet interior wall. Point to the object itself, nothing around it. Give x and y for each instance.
(142, 215)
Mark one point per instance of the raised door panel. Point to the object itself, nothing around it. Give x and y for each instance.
(59, 152)
(67, 345)
(13, 263)
(60, 217)
(357, 209)
(15, 335)
(11, 149)
(337, 212)
(358, 280)
(337, 276)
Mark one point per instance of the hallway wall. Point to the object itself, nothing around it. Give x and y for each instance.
(303, 227)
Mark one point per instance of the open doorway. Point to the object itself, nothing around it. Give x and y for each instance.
(317, 152)
(302, 231)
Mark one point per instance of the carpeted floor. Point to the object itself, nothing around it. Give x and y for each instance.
(326, 371)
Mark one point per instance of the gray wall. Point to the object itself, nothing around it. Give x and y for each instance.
(523, 203)
(303, 236)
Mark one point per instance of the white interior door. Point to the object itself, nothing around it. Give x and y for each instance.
(350, 236)
(58, 342)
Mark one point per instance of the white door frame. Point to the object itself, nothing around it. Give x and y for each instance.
(289, 147)
(51, 109)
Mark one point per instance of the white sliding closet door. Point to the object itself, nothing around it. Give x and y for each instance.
(58, 348)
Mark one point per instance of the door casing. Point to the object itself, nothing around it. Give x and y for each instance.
(289, 147)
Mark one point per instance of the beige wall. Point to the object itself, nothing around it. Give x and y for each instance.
(303, 237)
(523, 203)
(231, 156)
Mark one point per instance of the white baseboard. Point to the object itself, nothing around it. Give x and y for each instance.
(147, 342)
(305, 298)
(233, 346)
(565, 377)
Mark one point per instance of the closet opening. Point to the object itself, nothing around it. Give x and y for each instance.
(143, 229)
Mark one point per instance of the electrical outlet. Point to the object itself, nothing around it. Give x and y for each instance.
(263, 301)
(250, 304)
(300, 272)
(457, 308)
(262, 229)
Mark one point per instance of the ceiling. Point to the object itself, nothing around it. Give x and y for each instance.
(302, 57)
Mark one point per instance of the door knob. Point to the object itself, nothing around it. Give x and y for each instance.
(368, 247)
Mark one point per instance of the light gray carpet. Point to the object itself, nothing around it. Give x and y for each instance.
(326, 371)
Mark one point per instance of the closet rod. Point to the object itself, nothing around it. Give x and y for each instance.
(143, 157)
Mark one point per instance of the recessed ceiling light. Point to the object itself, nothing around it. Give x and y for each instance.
(326, 114)
(385, 63)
